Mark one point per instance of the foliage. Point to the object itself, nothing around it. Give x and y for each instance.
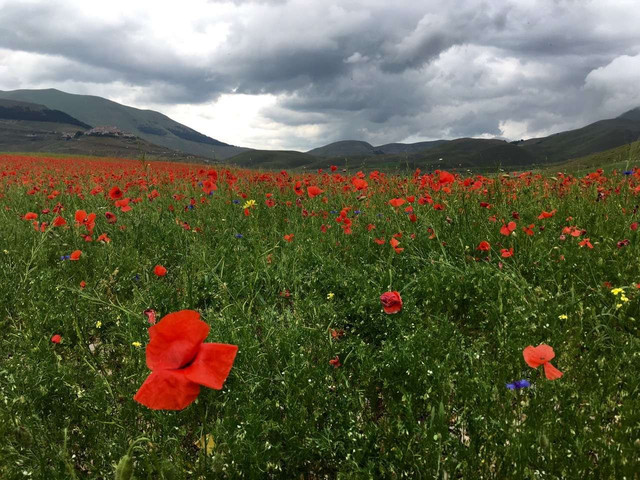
(418, 394)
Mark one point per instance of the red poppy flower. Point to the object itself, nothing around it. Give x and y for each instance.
(180, 363)
(59, 221)
(75, 255)
(111, 218)
(160, 271)
(396, 202)
(380, 241)
(585, 243)
(83, 284)
(56, 338)
(115, 193)
(30, 216)
(634, 226)
(151, 315)
(391, 302)
(542, 355)
(508, 228)
(528, 230)
(314, 191)
(506, 253)
(289, 237)
(484, 246)
(394, 243)
(623, 243)
(335, 362)
(546, 214)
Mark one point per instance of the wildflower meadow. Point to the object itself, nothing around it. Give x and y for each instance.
(180, 321)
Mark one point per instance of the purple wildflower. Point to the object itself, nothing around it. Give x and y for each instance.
(518, 384)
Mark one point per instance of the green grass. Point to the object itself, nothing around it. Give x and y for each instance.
(419, 394)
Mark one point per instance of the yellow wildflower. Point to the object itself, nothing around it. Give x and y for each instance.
(617, 291)
(563, 317)
(136, 344)
(330, 295)
(98, 324)
(249, 204)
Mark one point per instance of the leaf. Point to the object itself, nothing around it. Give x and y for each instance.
(210, 443)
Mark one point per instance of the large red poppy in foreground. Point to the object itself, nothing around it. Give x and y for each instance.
(180, 363)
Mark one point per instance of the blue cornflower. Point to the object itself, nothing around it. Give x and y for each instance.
(65, 257)
(236, 202)
(333, 212)
(238, 235)
(518, 384)
(190, 207)
(357, 212)
(628, 172)
(136, 278)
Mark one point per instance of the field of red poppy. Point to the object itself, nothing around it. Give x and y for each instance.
(185, 321)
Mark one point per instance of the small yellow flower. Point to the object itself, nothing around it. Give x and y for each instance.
(98, 324)
(6, 252)
(618, 305)
(562, 317)
(623, 298)
(617, 291)
(330, 295)
(136, 344)
(249, 204)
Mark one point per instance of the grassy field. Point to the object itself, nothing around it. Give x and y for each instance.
(325, 383)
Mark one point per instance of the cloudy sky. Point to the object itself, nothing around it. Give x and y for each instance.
(296, 74)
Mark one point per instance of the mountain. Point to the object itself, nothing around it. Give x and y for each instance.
(633, 115)
(149, 125)
(274, 159)
(396, 148)
(66, 138)
(596, 137)
(356, 147)
(478, 153)
(344, 148)
(13, 110)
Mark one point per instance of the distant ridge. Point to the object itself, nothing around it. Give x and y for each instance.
(14, 110)
(147, 124)
(357, 147)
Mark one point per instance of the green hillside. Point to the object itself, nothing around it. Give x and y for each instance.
(147, 124)
(14, 110)
(398, 148)
(344, 148)
(54, 137)
(597, 137)
(624, 158)
(273, 159)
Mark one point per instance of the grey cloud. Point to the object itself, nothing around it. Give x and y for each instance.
(362, 69)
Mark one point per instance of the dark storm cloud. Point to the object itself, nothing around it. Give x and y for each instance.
(362, 69)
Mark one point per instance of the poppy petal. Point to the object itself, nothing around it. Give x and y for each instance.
(167, 390)
(175, 340)
(536, 356)
(212, 364)
(551, 372)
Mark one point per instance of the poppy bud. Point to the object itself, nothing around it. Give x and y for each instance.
(124, 470)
